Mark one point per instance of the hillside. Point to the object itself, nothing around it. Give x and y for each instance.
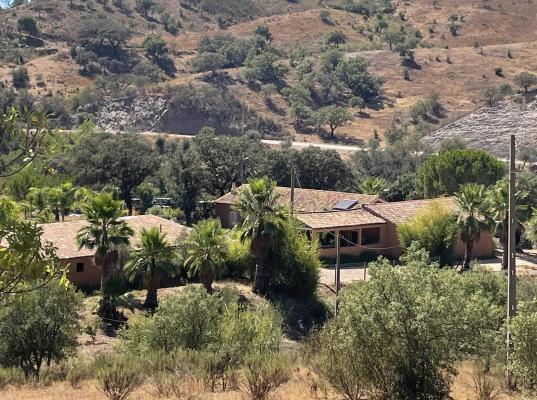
(491, 43)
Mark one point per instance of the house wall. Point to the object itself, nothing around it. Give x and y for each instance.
(89, 278)
(222, 212)
(388, 245)
(357, 250)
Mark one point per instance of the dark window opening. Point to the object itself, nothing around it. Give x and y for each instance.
(370, 236)
(327, 240)
(349, 238)
(80, 267)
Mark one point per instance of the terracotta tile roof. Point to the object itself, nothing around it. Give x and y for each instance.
(63, 234)
(339, 219)
(308, 200)
(402, 211)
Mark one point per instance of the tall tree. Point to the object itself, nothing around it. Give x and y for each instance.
(262, 224)
(105, 232)
(152, 261)
(206, 251)
(444, 173)
(121, 160)
(470, 201)
(497, 204)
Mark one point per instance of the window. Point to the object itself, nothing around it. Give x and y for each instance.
(233, 218)
(370, 235)
(80, 267)
(348, 238)
(327, 240)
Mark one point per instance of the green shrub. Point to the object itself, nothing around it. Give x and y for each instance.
(27, 23)
(400, 334)
(119, 376)
(53, 312)
(20, 78)
(295, 263)
(524, 337)
(78, 369)
(239, 259)
(264, 374)
(11, 376)
(187, 320)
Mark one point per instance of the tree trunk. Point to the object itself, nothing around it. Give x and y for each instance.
(206, 279)
(468, 255)
(128, 201)
(151, 300)
(505, 248)
(261, 280)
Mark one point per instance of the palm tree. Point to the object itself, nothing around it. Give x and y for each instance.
(470, 200)
(61, 198)
(498, 210)
(152, 260)
(262, 224)
(206, 251)
(104, 232)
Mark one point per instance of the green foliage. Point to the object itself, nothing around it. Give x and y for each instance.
(28, 24)
(11, 376)
(354, 75)
(400, 333)
(335, 38)
(206, 251)
(526, 80)
(433, 229)
(39, 327)
(145, 7)
(104, 36)
(234, 50)
(265, 67)
(446, 172)
(121, 160)
(20, 78)
(262, 224)
(153, 261)
(264, 374)
(294, 263)
(524, 337)
(208, 62)
(154, 45)
(333, 116)
(119, 376)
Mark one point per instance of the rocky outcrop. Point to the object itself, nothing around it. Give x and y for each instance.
(490, 127)
(139, 113)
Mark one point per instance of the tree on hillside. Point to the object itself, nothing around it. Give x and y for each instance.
(121, 160)
(525, 80)
(470, 220)
(208, 62)
(262, 216)
(335, 38)
(265, 67)
(206, 251)
(443, 174)
(152, 260)
(105, 233)
(154, 45)
(28, 24)
(353, 73)
(264, 32)
(144, 7)
(333, 116)
(104, 35)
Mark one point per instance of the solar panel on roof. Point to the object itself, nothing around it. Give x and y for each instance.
(345, 204)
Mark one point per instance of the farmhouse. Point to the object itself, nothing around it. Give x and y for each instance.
(365, 223)
(82, 271)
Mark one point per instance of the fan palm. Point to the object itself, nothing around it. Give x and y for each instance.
(498, 213)
(152, 260)
(206, 251)
(104, 232)
(471, 223)
(262, 224)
